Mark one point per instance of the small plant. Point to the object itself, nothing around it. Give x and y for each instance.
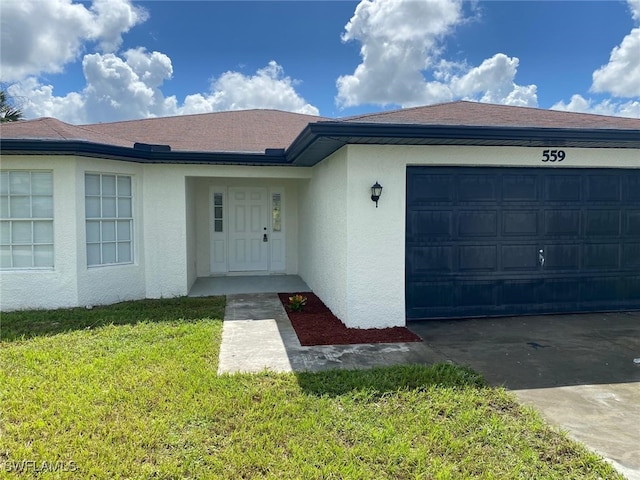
(297, 303)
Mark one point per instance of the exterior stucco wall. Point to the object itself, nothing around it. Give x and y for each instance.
(48, 288)
(323, 232)
(376, 237)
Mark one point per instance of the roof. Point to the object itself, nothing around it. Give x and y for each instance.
(489, 115)
(236, 131)
(276, 137)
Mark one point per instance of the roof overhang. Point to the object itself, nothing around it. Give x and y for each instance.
(138, 155)
(318, 140)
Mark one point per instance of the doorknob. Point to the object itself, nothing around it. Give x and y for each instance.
(264, 237)
(541, 257)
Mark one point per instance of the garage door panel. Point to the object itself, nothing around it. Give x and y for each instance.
(436, 259)
(633, 223)
(520, 223)
(603, 188)
(561, 257)
(631, 189)
(478, 258)
(602, 222)
(520, 188)
(562, 292)
(563, 188)
(434, 188)
(478, 223)
(478, 188)
(428, 223)
(630, 256)
(520, 258)
(473, 241)
(603, 256)
(477, 293)
(562, 222)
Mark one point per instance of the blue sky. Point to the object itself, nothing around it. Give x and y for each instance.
(108, 60)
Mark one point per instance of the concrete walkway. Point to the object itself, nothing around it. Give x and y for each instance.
(257, 335)
(577, 370)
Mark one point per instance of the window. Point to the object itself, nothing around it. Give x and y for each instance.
(109, 216)
(26, 219)
(217, 212)
(276, 204)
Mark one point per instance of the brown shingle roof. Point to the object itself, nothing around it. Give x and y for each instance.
(236, 131)
(257, 130)
(489, 115)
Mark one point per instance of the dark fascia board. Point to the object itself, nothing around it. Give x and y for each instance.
(112, 152)
(320, 139)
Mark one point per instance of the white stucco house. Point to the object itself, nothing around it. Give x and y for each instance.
(486, 210)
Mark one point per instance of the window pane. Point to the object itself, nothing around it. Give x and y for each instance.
(108, 253)
(19, 183)
(108, 231)
(108, 207)
(124, 186)
(91, 184)
(109, 185)
(4, 206)
(4, 183)
(276, 220)
(43, 256)
(217, 199)
(21, 232)
(42, 207)
(124, 208)
(93, 231)
(22, 256)
(42, 232)
(217, 212)
(5, 256)
(5, 233)
(124, 252)
(42, 183)
(19, 207)
(93, 254)
(124, 230)
(217, 225)
(92, 207)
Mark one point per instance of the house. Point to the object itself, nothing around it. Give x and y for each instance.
(486, 210)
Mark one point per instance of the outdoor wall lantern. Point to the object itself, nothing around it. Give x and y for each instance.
(376, 191)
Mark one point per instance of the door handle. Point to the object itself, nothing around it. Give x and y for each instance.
(541, 257)
(264, 237)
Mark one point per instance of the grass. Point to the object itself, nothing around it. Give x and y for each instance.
(137, 396)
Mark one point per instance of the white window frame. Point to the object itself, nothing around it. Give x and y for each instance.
(33, 224)
(113, 229)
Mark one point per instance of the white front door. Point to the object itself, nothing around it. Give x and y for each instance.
(248, 229)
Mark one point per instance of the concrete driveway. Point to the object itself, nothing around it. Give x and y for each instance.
(577, 370)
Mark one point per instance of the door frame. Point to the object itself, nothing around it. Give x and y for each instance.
(219, 240)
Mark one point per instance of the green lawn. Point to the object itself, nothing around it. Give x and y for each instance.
(131, 391)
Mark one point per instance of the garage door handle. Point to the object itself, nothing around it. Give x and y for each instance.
(541, 257)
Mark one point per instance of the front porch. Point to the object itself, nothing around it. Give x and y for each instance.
(235, 284)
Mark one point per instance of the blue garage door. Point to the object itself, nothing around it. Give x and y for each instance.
(509, 241)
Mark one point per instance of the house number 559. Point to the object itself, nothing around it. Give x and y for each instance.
(553, 155)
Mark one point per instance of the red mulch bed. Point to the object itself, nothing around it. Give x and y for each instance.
(316, 325)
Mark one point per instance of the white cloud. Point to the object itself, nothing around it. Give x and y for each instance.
(42, 36)
(401, 40)
(128, 87)
(621, 76)
(580, 104)
(268, 88)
